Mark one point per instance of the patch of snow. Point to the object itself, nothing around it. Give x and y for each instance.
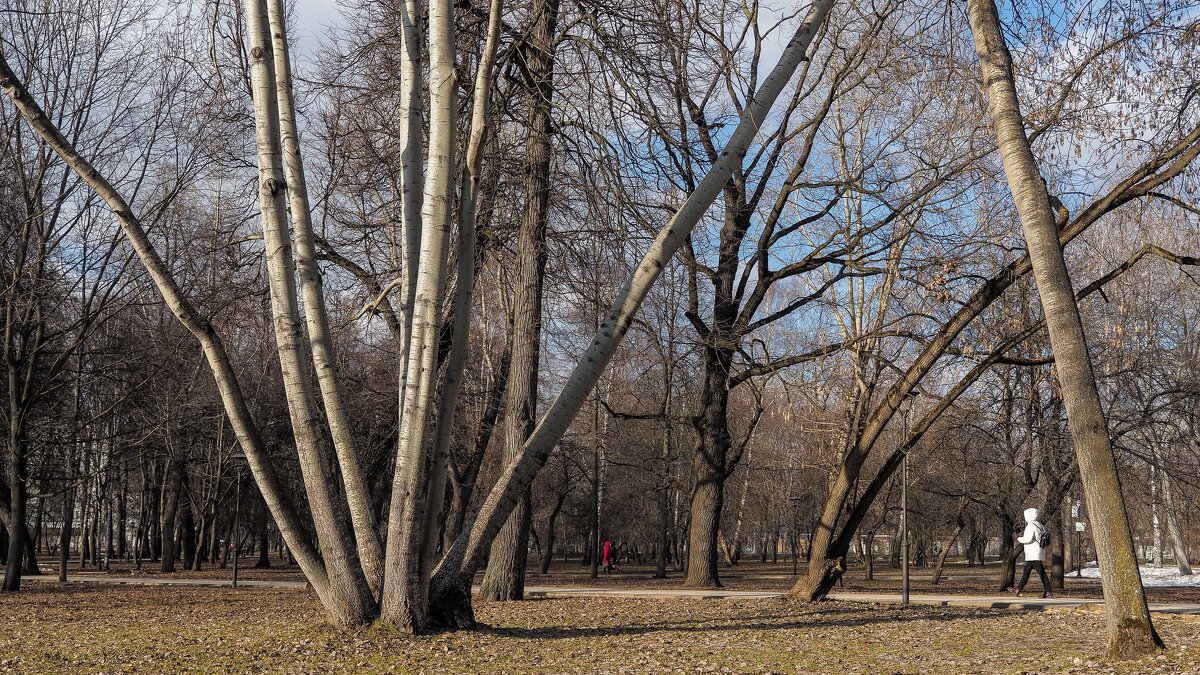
(1151, 576)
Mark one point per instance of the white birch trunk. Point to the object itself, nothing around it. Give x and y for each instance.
(345, 573)
(451, 585)
(370, 550)
(405, 593)
(464, 291)
(412, 176)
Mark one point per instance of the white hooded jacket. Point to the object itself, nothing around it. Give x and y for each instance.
(1033, 550)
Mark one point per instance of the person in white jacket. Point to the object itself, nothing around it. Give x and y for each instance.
(1031, 538)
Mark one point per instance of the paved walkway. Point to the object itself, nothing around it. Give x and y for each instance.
(160, 581)
(992, 602)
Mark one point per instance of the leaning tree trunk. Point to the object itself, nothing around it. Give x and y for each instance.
(320, 337)
(1130, 631)
(505, 575)
(350, 599)
(550, 527)
(450, 588)
(941, 562)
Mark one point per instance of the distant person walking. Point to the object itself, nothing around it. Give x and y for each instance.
(607, 560)
(1034, 538)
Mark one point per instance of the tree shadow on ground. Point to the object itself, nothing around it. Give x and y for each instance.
(839, 616)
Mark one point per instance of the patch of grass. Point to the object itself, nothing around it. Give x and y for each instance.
(77, 628)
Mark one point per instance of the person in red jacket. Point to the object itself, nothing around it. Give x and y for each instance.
(607, 559)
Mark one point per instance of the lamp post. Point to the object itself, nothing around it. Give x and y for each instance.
(237, 511)
(795, 499)
(904, 579)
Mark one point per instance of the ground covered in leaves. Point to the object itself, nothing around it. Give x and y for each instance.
(80, 628)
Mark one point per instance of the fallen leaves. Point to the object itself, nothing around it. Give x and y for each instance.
(133, 629)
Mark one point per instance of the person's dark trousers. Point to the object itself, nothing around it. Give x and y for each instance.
(1031, 565)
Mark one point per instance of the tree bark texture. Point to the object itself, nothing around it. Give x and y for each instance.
(505, 575)
(464, 292)
(370, 549)
(1130, 631)
(350, 598)
(405, 591)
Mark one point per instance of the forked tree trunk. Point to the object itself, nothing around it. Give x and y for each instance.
(370, 549)
(1130, 631)
(505, 575)
(405, 593)
(464, 292)
(350, 591)
(200, 328)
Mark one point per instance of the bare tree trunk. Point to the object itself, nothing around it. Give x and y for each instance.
(172, 487)
(450, 587)
(405, 593)
(261, 524)
(1058, 548)
(350, 599)
(18, 479)
(868, 547)
(370, 550)
(709, 464)
(412, 178)
(187, 536)
(664, 516)
(1155, 519)
(1130, 631)
(737, 528)
(505, 575)
(214, 350)
(941, 562)
(1181, 559)
(550, 532)
(457, 361)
